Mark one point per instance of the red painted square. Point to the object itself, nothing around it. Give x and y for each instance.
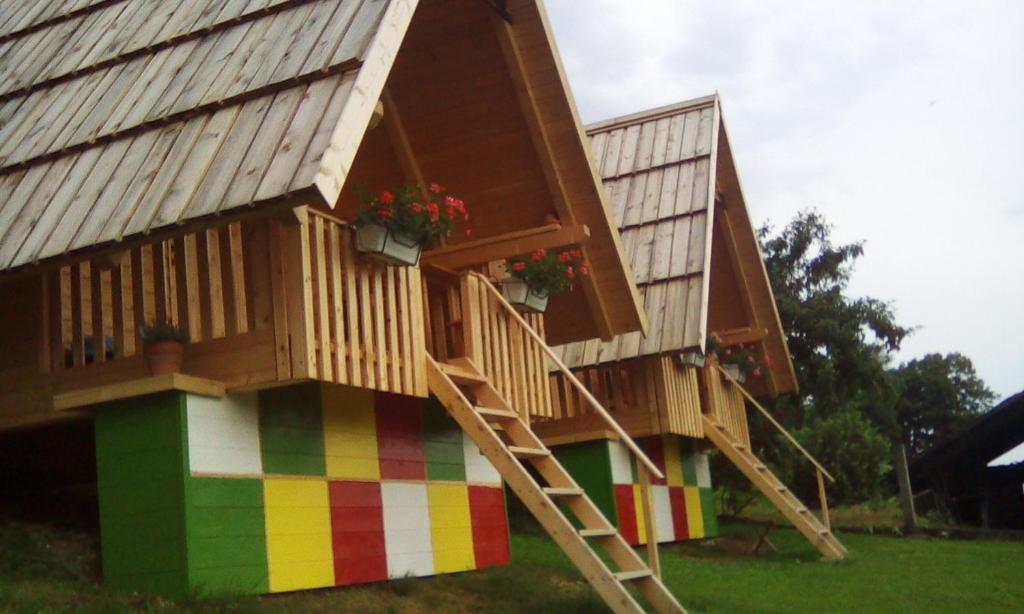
(357, 532)
(490, 526)
(627, 513)
(654, 447)
(400, 437)
(677, 501)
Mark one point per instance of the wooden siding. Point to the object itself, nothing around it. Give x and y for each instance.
(725, 403)
(658, 173)
(138, 115)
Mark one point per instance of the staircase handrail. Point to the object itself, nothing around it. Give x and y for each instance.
(778, 426)
(601, 411)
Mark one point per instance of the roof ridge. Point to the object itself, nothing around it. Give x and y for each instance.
(650, 114)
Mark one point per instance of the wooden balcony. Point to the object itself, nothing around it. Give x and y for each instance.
(263, 301)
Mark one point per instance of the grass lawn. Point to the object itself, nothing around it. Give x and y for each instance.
(43, 570)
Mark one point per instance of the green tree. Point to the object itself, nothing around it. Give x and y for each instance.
(938, 396)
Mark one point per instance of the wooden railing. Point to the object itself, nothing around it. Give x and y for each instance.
(365, 319)
(199, 281)
(511, 358)
(820, 472)
(725, 401)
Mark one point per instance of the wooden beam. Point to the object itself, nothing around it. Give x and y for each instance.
(547, 158)
(138, 387)
(739, 336)
(500, 247)
(400, 141)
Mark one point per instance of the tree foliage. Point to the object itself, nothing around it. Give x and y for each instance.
(938, 396)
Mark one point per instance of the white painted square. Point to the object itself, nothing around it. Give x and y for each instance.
(407, 529)
(479, 470)
(663, 514)
(622, 472)
(224, 434)
(700, 463)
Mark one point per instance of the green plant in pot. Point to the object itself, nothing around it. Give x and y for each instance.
(395, 225)
(163, 346)
(535, 278)
(739, 361)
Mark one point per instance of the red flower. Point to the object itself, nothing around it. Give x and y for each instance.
(577, 253)
(433, 212)
(518, 266)
(584, 270)
(469, 232)
(385, 212)
(416, 208)
(387, 197)
(436, 188)
(539, 254)
(757, 371)
(564, 257)
(728, 351)
(571, 274)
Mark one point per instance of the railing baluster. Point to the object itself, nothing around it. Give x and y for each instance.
(824, 500)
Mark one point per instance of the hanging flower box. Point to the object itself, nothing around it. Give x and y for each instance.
(692, 358)
(387, 245)
(523, 297)
(735, 373)
(533, 279)
(394, 226)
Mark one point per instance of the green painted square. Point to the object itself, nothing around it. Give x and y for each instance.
(687, 448)
(707, 504)
(227, 549)
(442, 444)
(590, 464)
(140, 461)
(291, 430)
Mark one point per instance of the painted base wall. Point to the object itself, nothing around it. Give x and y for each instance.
(292, 488)
(684, 502)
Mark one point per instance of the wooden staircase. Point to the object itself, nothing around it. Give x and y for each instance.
(757, 472)
(505, 439)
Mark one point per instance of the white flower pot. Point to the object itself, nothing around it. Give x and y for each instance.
(523, 297)
(735, 372)
(692, 358)
(385, 245)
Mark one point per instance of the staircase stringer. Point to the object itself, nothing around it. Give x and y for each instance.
(594, 570)
(773, 488)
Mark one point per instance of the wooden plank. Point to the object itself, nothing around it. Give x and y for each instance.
(55, 317)
(380, 328)
(323, 312)
(474, 253)
(298, 269)
(353, 311)
(279, 294)
(419, 332)
(99, 338)
(139, 387)
(406, 319)
(370, 351)
(391, 319)
(653, 558)
(77, 316)
(337, 329)
(119, 275)
(400, 141)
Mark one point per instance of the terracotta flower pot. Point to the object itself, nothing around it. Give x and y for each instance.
(164, 357)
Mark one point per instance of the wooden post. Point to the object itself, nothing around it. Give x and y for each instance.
(647, 494)
(824, 499)
(906, 494)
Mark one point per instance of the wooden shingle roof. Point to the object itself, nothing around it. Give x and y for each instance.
(119, 117)
(657, 172)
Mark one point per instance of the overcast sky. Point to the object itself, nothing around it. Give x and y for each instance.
(903, 122)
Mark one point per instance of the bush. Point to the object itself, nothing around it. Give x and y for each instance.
(853, 450)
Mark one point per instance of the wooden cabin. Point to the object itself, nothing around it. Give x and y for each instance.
(675, 195)
(336, 420)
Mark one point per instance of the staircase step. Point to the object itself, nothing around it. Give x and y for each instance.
(640, 574)
(760, 467)
(597, 532)
(491, 412)
(802, 510)
(460, 375)
(782, 489)
(521, 452)
(563, 492)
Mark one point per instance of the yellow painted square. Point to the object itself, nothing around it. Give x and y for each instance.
(451, 529)
(641, 515)
(694, 512)
(673, 460)
(299, 550)
(350, 433)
